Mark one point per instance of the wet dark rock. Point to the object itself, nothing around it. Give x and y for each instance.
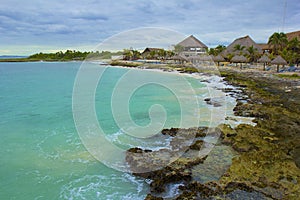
(138, 150)
(171, 132)
(231, 186)
(227, 89)
(197, 145)
(213, 102)
(154, 164)
(201, 132)
(151, 197)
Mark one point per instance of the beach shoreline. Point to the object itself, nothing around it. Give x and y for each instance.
(256, 144)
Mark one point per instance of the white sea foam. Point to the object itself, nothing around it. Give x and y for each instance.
(125, 186)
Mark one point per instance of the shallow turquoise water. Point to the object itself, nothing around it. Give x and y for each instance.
(41, 155)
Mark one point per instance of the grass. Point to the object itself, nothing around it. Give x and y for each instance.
(125, 63)
(289, 76)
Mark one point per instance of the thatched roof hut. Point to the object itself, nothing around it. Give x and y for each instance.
(205, 58)
(194, 57)
(291, 35)
(148, 50)
(179, 58)
(264, 59)
(192, 41)
(265, 47)
(239, 59)
(218, 59)
(199, 58)
(191, 46)
(278, 61)
(246, 41)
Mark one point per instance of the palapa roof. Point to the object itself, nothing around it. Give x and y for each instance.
(278, 61)
(218, 58)
(194, 57)
(239, 59)
(264, 46)
(291, 35)
(178, 57)
(243, 41)
(264, 59)
(148, 49)
(205, 58)
(192, 41)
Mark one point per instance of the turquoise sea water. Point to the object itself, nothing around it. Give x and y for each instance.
(41, 154)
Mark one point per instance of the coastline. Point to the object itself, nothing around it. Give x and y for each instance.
(267, 164)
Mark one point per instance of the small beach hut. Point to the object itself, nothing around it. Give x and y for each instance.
(205, 58)
(264, 59)
(239, 59)
(180, 59)
(218, 59)
(278, 61)
(194, 59)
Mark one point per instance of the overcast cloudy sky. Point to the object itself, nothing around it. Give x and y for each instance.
(32, 26)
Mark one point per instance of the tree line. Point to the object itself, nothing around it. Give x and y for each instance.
(73, 55)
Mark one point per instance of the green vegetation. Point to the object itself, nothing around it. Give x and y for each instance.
(289, 76)
(125, 63)
(253, 54)
(269, 151)
(130, 54)
(160, 54)
(289, 50)
(278, 41)
(239, 47)
(216, 51)
(68, 55)
(61, 56)
(178, 48)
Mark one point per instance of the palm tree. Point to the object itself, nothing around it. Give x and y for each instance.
(238, 47)
(216, 51)
(152, 54)
(178, 48)
(253, 53)
(162, 54)
(169, 54)
(278, 41)
(130, 54)
(127, 54)
(294, 45)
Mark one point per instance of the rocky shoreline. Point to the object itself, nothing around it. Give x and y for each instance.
(267, 165)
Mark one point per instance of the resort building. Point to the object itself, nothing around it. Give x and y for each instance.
(292, 35)
(150, 52)
(191, 46)
(240, 45)
(265, 47)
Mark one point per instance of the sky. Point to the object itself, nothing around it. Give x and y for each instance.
(32, 26)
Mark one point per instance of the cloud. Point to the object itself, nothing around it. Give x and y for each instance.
(72, 23)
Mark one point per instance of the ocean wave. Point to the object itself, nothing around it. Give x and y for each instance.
(113, 186)
(126, 141)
